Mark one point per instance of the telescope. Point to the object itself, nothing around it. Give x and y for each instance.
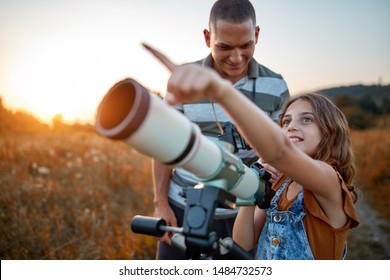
(128, 112)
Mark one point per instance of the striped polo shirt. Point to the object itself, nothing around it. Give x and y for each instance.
(265, 88)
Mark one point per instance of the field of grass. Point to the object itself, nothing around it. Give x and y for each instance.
(373, 162)
(371, 240)
(72, 196)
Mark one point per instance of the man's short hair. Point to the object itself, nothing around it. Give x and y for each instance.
(233, 11)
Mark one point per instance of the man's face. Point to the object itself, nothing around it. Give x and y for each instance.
(232, 47)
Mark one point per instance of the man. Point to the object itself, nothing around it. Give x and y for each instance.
(231, 37)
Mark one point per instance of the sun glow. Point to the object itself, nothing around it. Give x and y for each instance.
(60, 76)
(70, 77)
(61, 57)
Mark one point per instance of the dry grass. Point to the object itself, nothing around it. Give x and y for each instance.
(373, 162)
(71, 196)
(371, 240)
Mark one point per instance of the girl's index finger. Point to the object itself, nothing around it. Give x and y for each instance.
(163, 59)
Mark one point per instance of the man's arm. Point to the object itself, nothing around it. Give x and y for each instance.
(161, 178)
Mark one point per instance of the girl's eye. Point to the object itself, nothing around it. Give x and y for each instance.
(286, 122)
(307, 120)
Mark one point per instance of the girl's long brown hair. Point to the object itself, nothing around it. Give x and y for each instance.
(335, 147)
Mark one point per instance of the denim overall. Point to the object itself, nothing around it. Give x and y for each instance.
(283, 236)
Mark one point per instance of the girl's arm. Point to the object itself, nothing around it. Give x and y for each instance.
(243, 229)
(247, 226)
(193, 82)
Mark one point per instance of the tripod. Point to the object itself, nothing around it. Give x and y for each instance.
(194, 239)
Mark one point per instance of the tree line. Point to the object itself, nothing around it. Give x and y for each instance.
(365, 107)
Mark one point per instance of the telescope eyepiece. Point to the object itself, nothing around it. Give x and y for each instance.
(263, 198)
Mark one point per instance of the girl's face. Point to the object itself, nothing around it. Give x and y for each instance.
(300, 125)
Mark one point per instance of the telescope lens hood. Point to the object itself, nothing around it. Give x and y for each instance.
(122, 110)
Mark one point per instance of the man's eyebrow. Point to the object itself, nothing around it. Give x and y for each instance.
(221, 44)
(251, 42)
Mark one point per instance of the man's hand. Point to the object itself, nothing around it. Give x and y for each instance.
(165, 212)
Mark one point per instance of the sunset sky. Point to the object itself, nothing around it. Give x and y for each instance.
(62, 56)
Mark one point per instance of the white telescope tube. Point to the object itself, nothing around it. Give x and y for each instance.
(130, 113)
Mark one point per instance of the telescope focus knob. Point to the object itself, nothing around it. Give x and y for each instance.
(148, 225)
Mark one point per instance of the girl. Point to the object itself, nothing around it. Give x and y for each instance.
(313, 208)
